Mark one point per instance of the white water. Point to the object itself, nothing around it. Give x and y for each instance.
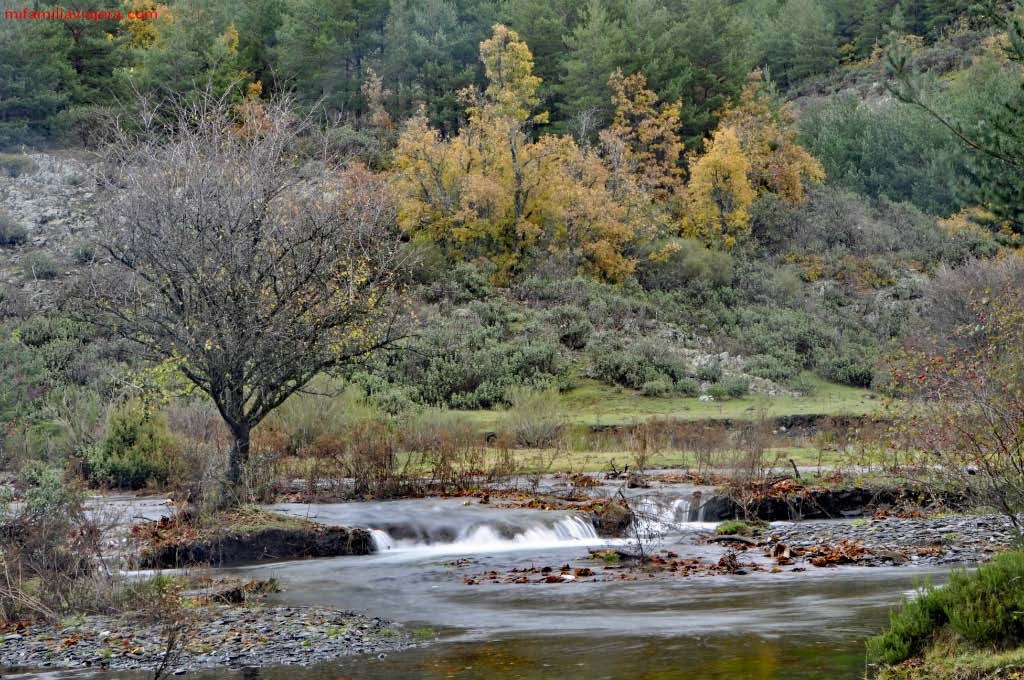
(660, 516)
(487, 538)
(428, 527)
(435, 527)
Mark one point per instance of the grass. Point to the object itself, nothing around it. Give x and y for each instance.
(533, 461)
(594, 403)
(948, 659)
(246, 519)
(741, 527)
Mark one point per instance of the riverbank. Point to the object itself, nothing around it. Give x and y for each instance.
(214, 636)
(926, 541)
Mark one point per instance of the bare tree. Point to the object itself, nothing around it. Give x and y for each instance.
(233, 262)
(961, 422)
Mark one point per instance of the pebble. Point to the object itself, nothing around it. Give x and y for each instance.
(962, 540)
(222, 636)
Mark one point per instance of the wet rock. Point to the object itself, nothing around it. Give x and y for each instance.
(611, 519)
(259, 546)
(719, 509)
(816, 503)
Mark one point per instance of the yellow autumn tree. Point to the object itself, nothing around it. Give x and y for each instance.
(767, 135)
(719, 194)
(490, 191)
(511, 86)
(145, 32)
(647, 134)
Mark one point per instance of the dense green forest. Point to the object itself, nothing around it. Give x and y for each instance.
(60, 75)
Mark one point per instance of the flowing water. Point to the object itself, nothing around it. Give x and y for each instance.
(764, 626)
(758, 626)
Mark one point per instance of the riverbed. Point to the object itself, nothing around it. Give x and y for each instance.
(489, 592)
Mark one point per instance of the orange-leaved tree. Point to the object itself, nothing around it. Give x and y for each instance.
(491, 191)
(767, 133)
(648, 133)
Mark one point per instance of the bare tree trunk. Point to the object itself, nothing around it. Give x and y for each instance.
(238, 457)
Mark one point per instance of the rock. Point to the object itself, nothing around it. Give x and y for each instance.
(611, 519)
(720, 508)
(264, 545)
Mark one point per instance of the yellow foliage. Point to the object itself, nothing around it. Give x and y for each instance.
(719, 194)
(648, 134)
(778, 164)
(230, 37)
(491, 192)
(968, 220)
(143, 34)
(508, 66)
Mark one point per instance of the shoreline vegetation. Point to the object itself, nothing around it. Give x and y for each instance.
(968, 629)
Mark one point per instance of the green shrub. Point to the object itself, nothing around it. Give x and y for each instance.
(38, 331)
(709, 372)
(14, 165)
(657, 388)
(686, 387)
(632, 362)
(462, 283)
(39, 266)
(717, 392)
(772, 368)
(857, 370)
(472, 359)
(681, 263)
(12, 233)
(572, 326)
(804, 383)
(24, 384)
(909, 628)
(735, 386)
(981, 607)
(138, 449)
(987, 607)
(535, 419)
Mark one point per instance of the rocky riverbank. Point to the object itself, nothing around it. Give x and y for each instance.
(941, 540)
(220, 636)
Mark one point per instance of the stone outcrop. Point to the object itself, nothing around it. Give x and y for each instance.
(263, 545)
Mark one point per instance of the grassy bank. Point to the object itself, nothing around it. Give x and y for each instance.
(597, 404)
(948, 659)
(968, 630)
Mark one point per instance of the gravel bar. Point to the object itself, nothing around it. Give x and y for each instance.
(221, 636)
(948, 540)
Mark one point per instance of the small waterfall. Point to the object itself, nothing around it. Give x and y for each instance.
(661, 512)
(571, 528)
(382, 541)
(658, 516)
(482, 536)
